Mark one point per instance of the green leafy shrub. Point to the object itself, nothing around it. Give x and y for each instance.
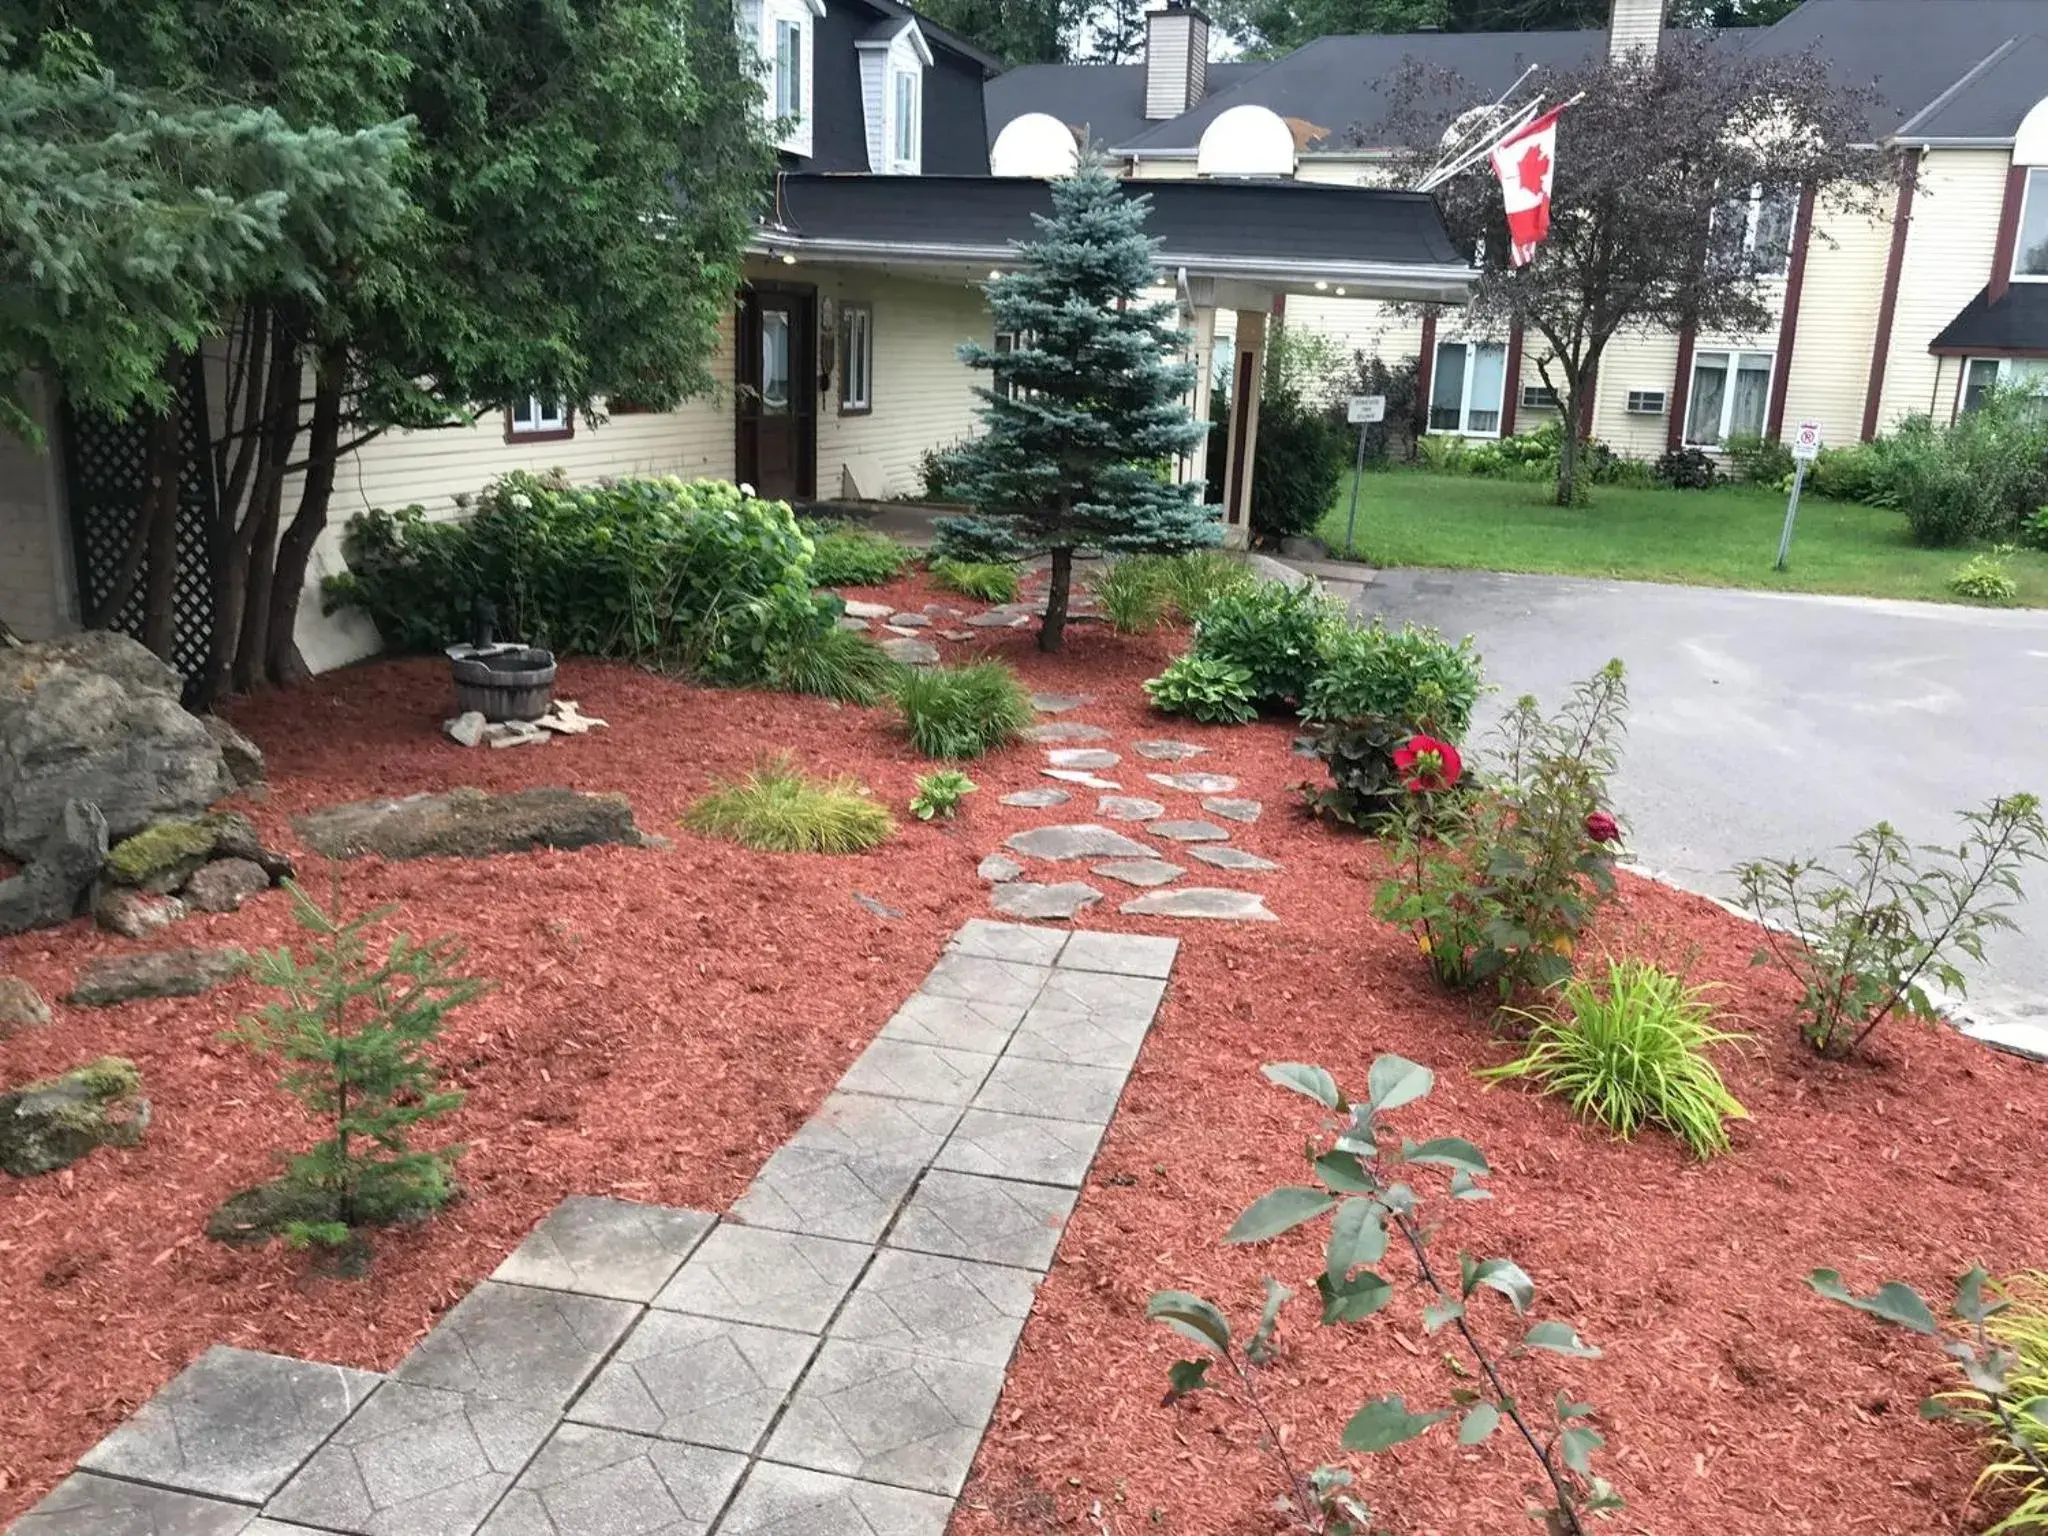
(775, 809)
(833, 664)
(940, 793)
(1504, 890)
(2003, 1359)
(1633, 1053)
(1686, 469)
(355, 1033)
(1204, 688)
(854, 557)
(963, 711)
(1759, 460)
(1858, 472)
(1273, 631)
(1987, 578)
(1945, 501)
(1303, 454)
(938, 473)
(1366, 1176)
(2034, 531)
(1861, 940)
(693, 573)
(1142, 592)
(989, 581)
(1411, 674)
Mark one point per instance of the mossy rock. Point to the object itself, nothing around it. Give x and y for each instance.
(51, 1124)
(252, 1217)
(162, 857)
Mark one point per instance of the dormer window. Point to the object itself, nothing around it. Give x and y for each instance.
(893, 59)
(906, 125)
(2030, 250)
(789, 69)
(783, 34)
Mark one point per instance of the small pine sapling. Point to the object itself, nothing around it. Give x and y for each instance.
(355, 1031)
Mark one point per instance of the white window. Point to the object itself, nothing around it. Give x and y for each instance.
(2030, 251)
(537, 416)
(907, 129)
(1538, 397)
(1465, 388)
(1982, 374)
(1731, 395)
(787, 97)
(1644, 402)
(856, 358)
(1754, 230)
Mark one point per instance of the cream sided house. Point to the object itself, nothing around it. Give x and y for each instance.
(839, 368)
(1916, 311)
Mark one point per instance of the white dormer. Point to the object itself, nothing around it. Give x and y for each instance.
(784, 37)
(893, 59)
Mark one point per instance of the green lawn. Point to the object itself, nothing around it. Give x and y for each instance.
(1726, 537)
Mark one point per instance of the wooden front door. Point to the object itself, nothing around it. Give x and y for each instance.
(777, 391)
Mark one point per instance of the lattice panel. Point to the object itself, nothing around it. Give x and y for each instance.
(104, 481)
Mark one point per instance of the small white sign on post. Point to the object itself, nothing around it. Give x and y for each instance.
(1806, 442)
(1805, 449)
(1364, 410)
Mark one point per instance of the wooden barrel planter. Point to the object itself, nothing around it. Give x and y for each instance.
(512, 684)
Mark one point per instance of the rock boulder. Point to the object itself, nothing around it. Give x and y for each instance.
(468, 823)
(159, 973)
(57, 882)
(51, 1124)
(224, 885)
(21, 1007)
(135, 914)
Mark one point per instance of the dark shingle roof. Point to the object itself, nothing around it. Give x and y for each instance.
(2016, 322)
(1989, 102)
(1108, 100)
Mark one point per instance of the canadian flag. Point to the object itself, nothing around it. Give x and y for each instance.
(1526, 163)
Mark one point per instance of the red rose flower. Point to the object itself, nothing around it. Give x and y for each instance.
(1603, 828)
(1427, 765)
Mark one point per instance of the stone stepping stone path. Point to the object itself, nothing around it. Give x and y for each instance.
(1129, 808)
(911, 620)
(1196, 783)
(912, 653)
(1232, 810)
(995, 619)
(820, 1362)
(1188, 831)
(1036, 799)
(1080, 776)
(1167, 751)
(1027, 899)
(1203, 901)
(857, 608)
(998, 867)
(1081, 840)
(1223, 856)
(1059, 703)
(1139, 872)
(1082, 757)
(1065, 730)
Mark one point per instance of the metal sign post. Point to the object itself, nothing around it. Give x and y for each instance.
(1805, 449)
(1362, 411)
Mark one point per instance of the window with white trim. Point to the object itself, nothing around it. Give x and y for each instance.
(906, 130)
(1754, 230)
(1981, 375)
(2030, 251)
(1538, 397)
(1731, 397)
(786, 99)
(538, 416)
(856, 359)
(1466, 387)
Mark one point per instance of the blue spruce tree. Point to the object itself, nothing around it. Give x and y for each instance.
(1086, 414)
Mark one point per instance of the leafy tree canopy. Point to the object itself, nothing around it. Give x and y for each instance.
(1017, 31)
(1267, 28)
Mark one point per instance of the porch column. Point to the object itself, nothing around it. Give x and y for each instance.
(1244, 427)
(1194, 464)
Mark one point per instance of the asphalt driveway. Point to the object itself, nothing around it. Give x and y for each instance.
(1776, 725)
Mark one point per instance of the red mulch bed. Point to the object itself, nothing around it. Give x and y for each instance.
(664, 1019)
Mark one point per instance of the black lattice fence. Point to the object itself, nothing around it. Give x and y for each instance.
(104, 468)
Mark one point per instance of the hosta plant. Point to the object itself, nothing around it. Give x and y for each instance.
(1862, 940)
(1987, 578)
(940, 794)
(1365, 1175)
(1214, 692)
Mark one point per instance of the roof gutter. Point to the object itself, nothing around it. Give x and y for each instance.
(1919, 141)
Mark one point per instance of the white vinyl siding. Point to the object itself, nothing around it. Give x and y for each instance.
(1829, 376)
(1948, 256)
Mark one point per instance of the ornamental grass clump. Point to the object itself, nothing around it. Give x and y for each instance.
(775, 809)
(1632, 1053)
(963, 711)
(989, 581)
(833, 664)
(1143, 592)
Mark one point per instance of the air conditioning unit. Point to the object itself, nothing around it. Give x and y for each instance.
(1645, 402)
(1538, 397)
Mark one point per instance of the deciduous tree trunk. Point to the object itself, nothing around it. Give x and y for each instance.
(1052, 631)
(282, 662)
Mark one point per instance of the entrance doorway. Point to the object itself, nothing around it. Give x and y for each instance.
(777, 391)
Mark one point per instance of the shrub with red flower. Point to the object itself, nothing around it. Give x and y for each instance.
(1603, 828)
(1427, 765)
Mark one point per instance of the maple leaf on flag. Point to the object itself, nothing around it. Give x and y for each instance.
(1533, 168)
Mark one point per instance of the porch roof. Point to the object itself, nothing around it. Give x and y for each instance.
(2013, 325)
(1282, 235)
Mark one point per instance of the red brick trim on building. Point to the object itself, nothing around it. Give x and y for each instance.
(2008, 233)
(1511, 385)
(1888, 304)
(1788, 323)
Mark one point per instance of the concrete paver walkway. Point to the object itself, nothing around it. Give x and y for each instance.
(821, 1362)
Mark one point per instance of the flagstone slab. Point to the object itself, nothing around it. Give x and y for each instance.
(911, 620)
(1128, 808)
(956, 1023)
(995, 1221)
(415, 1461)
(1065, 730)
(707, 1380)
(517, 1342)
(1231, 809)
(984, 980)
(1081, 776)
(1131, 954)
(1101, 995)
(85, 1505)
(898, 1069)
(603, 1247)
(1059, 703)
(994, 620)
(1202, 901)
(859, 1125)
(889, 1417)
(1082, 757)
(826, 1194)
(1161, 750)
(1081, 840)
(1006, 941)
(1188, 831)
(1027, 898)
(233, 1424)
(949, 1309)
(912, 653)
(795, 1501)
(1027, 1147)
(1139, 872)
(1019, 1086)
(1196, 783)
(1223, 856)
(599, 1482)
(1078, 1039)
(860, 608)
(1036, 799)
(776, 1279)
(996, 869)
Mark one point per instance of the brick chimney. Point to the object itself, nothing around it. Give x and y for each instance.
(1633, 28)
(1176, 59)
